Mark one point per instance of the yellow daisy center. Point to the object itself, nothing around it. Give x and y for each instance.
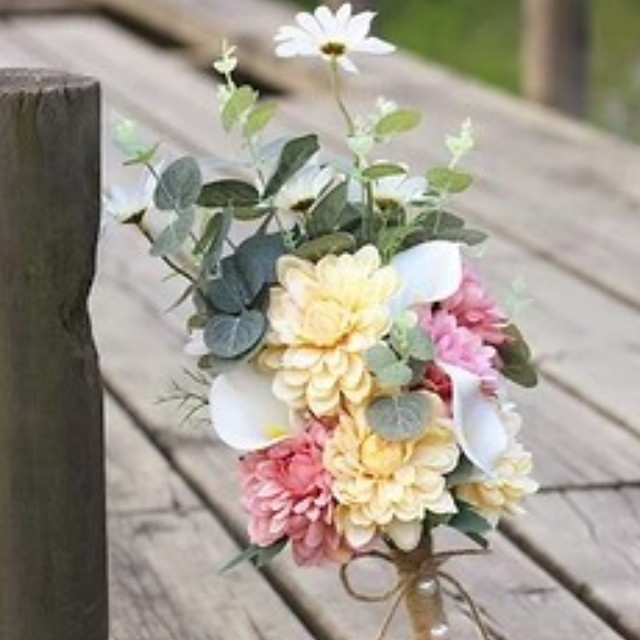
(333, 49)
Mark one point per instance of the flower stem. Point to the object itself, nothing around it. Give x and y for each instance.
(335, 89)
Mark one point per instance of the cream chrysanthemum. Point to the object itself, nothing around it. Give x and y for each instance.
(323, 317)
(385, 486)
(502, 493)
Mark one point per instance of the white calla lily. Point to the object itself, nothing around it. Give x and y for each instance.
(430, 272)
(477, 419)
(245, 413)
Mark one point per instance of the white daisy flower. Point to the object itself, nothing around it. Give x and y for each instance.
(331, 36)
(398, 191)
(300, 193)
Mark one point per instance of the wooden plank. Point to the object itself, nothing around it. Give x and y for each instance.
(53, 555)
(595, 545)
(570, 349)
(26, 6)
(166, 557)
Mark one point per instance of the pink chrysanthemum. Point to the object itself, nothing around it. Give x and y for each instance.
(287, 492)
(475, 309)
(458, 345)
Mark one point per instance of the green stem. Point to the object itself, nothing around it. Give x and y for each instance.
(335, 89)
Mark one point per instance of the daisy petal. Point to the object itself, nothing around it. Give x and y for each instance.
(477, 421)
(359, 26)
(430, 272)
(375, 46)
(347, 64)
(246, 424)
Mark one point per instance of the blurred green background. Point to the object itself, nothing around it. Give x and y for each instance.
(481, 38)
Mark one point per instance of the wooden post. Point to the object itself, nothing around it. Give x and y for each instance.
(52, 521)
(555, 53)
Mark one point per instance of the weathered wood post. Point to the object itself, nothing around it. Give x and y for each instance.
(555, 53)
(52, 523)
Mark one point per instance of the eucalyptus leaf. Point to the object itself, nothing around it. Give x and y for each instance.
(401, 417)
(294, 155)
(448, 180)
(218, 229)
(259, 117)
(465, 235)
(383, 170)
(174, 235)
(398, 374)
(230, 337)
(398, 121)
(336, 243)
(228, 192)
(419, 344)
(463, 473)
(229, 292)
(379, 357)
(256, 260)
(237, 104)
(327, 215)
(179, 185)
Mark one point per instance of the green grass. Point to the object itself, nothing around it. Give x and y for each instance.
(481, 38)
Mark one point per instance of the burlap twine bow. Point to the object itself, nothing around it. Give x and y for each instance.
(415, 567)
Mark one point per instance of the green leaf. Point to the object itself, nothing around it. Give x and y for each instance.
(448, 180)
(237, 104)
(230, 337)
(383, 170)
(260, 556)
(143, 155)
(379, 357)
(179, 185)
(225, 193)
(218, 228)
(327, 215)
(439, 220)
(339, 242)
(516, 359)
(259, 117)
(256, 260)
(468, 520)
(398, 121)
(401, 417)
(293, 157)
(396, 375)
(249, 213)
(419, 345)
(173, 237)
(229, 292)
(182, 298)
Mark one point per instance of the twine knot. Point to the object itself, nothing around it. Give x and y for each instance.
(414, 567)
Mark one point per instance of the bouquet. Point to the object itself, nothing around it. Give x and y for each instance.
(352, 353)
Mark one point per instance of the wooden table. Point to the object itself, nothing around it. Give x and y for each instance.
(562, 203)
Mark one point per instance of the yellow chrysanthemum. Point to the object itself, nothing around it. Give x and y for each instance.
(502, 493)
(387, 486)
(323, 317)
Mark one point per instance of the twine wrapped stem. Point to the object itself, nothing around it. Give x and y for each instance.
(418, 585)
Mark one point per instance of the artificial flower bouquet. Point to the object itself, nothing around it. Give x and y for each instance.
(354, 356)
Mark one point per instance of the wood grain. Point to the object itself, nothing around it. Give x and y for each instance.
(166, 552)
(52, 541)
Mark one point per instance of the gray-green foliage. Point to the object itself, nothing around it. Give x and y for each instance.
(399, 417)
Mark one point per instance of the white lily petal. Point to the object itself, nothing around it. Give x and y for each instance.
(244, 411)
(430, 272)
(477, 420)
